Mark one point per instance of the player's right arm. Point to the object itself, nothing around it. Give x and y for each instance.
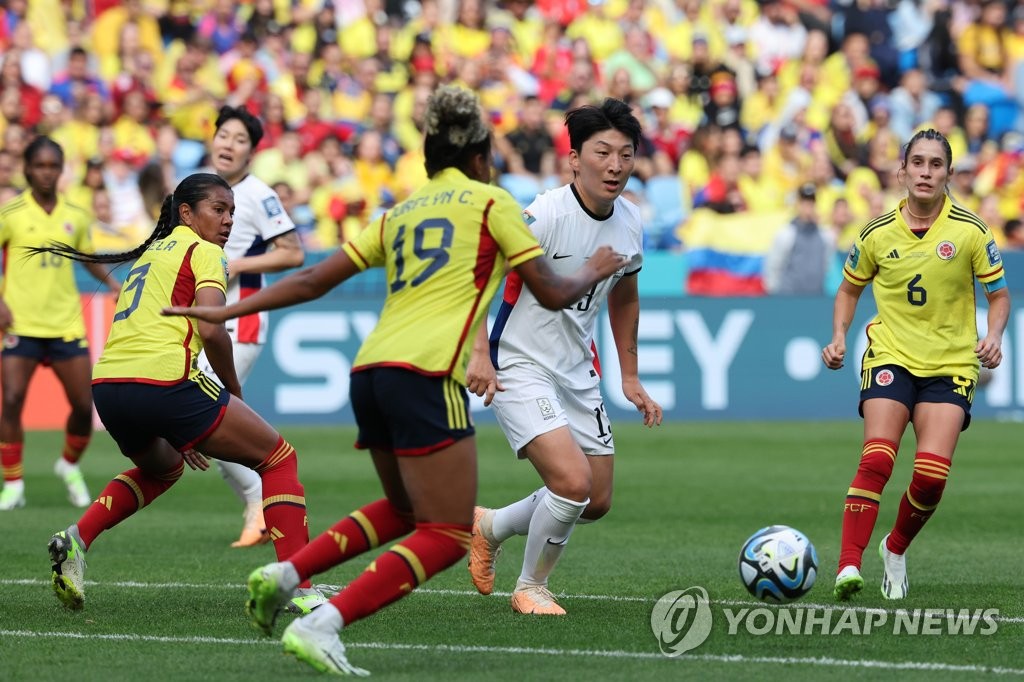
(555, 292)
(217, 341)
(842, 317)
(304, 285)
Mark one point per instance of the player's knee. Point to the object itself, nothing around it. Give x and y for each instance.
(81, 411)
(598, 507)
(574, 487)
(13, 401)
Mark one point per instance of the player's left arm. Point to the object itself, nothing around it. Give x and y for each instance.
(624, 315)
(101, 274)
(987, 263)
(285, 252)
(990, 349)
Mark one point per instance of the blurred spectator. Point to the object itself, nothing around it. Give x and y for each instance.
(1014, 233)
(77, 79)
(129, 216)
(912, 104)
(802, 253)
(962, 182)
(872, 19)
(222, 26)
(669, 137)
(985, 63)
(533, 150)
(8, 167)
(722, 192)
(31, 96)
(723, 107)
(637, 57)
(777, 35)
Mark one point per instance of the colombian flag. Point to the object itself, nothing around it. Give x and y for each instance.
(726, 251)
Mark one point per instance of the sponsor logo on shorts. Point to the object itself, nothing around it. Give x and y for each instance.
(946, 250)
(547, 411)
(885, 377)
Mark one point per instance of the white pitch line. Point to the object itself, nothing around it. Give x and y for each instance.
(531, 651)
(472, 593)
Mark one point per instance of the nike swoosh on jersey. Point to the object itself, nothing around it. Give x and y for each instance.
(559, 256)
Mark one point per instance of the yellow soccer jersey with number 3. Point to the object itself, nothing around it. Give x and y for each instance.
(924, 290)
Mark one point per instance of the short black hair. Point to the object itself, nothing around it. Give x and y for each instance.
(586, 121)
(252, 124)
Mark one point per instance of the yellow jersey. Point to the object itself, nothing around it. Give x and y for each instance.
(40, 290)
(924, 290)
(443, 250)
(145, 346)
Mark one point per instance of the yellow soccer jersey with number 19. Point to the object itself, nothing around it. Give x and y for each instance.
(444, 250)
(40, 290)
(145, 346)
(924, 290)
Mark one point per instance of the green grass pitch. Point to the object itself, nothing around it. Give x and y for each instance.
(165, 592)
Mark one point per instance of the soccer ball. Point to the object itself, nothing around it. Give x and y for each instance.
(778, 564)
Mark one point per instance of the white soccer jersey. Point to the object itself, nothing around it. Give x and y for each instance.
(259, 218)
(562, 342)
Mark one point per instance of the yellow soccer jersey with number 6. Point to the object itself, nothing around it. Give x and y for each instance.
(924, 290)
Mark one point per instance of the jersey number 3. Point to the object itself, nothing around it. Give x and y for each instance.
(440, 231)
(134, 282)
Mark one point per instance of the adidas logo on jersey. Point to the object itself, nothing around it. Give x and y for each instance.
(893, 254)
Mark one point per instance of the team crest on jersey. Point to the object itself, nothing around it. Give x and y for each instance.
(528, 218)
(994, 257)
(69, 228)
(946, 250)
(272, 206)
(853, 258)
(885, 377)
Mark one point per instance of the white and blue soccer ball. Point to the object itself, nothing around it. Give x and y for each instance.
(778, 564)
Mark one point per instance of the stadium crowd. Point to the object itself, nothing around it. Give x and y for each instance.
(749, 107)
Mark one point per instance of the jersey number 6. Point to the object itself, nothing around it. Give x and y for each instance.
(917, 295)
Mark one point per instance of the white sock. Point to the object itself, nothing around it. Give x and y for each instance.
(550, 529)
(244, 481)
(515, 518)
(325, 617)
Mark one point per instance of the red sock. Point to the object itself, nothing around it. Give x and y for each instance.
(123, 496)
(284, 502)
(363, 529)
(74, 446)
(920, 500)
(10, 461)
(428, 551)
(861, 510)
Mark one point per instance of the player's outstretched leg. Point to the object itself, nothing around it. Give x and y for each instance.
(67, 557)
(484, 551)
(848, 583)
(319, 647)
(894, 572)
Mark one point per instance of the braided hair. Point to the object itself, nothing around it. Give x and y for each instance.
(189, 192)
